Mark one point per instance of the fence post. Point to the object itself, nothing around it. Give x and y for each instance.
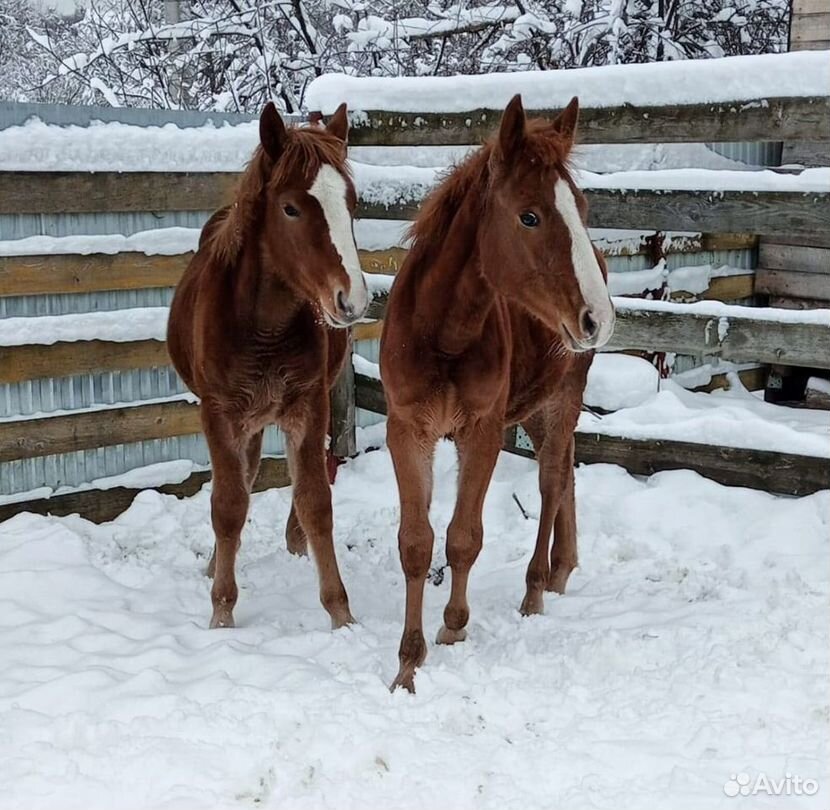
(343, 441)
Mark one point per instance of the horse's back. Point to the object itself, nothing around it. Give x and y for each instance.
(181, 332)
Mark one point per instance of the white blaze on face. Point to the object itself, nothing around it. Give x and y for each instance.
(329, 189)
(586, 267)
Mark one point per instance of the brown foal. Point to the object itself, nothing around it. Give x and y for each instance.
(253, 332)
(492, 321)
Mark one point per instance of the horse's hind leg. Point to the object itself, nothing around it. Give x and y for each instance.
(478, 451)
(229, 508)
(253, 454)
(552, 435)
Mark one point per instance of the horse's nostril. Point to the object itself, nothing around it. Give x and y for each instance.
(343, 304)
(589, 326)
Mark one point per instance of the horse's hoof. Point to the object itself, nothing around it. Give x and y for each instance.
(558, 579)
(447, 636)
(298, 549)
(533, 604)
(222, 618)
(343, 620)
(404, 680)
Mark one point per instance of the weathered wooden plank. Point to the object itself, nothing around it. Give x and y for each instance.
(783, 473)
(798, 285)
(753, 379)
(69, 273)
(368, 394)
(343, 424)
(763, 212)
(786, 302)
(723, 288)
(820, 239)
(367, 331)
(775, 119)
(804, 8)
(32, 438)
(94, 192)
(18, 363)
(741, 339)
(65, 273)
(101, 505)
(794, 258)
(738, 339)
(813, 28)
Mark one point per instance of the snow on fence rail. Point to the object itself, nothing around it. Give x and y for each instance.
(757, 98)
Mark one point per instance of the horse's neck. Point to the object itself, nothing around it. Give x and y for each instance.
(264, 301)
(454, 296)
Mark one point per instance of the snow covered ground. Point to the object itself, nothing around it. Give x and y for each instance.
(692, 646)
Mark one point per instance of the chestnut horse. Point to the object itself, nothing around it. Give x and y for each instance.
(491, 322)
(255, 332)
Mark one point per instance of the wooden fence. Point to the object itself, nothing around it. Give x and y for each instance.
(729, 217)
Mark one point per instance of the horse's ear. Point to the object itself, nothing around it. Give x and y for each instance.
(338, 124)
(565, 123)
(512, 129)
(272, 131)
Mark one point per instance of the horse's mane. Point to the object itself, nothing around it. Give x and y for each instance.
(306, 150)
(543, 145)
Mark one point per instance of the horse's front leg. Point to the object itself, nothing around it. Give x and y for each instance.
(312, 502)
(478, 450)
(412, 458)
(228, 507)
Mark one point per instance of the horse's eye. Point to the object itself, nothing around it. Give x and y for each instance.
(291, 211)
(528, 219)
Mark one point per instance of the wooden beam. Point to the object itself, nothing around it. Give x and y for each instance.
(343, 424)
(741, 339)
(774, 255)
(66, 273)
(71, 273)
(96, 192)
(32, 438)
(775, 119)
(66, 359)
(767, 212)
(368, 394)
(796, 285)
(763, 212)
(102, 505)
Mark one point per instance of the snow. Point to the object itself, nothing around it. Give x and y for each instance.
(717, 309)
(365, 367)
(161, 241)
(819, 384)
(151, 475)
(37, 147)
(809, 180)
(120, 326)
(729, 418)
(620, 381)
(737, 78)
(691, 645)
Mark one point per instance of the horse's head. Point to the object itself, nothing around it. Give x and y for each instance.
(535, 243)
(309, 205)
